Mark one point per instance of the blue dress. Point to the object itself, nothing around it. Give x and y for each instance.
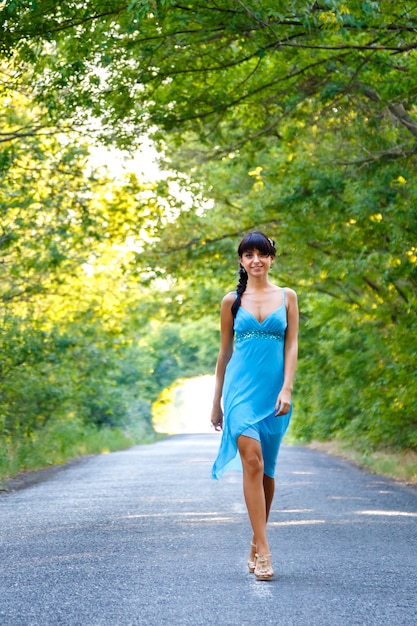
(253, 378)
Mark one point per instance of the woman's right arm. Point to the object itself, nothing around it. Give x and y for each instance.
(225, 353)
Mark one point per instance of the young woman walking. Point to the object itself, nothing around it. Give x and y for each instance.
(254, 377)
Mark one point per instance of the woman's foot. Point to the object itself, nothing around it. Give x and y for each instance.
(263, 567)
(252, 558)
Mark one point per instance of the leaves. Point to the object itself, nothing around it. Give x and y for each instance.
(295, 117)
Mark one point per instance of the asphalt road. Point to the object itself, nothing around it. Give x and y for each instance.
(146, 537)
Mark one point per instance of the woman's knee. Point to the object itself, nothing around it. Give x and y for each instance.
(251, 455)
(253, 464)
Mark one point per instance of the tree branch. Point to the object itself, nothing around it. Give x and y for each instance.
(395, 153)
(398, 111)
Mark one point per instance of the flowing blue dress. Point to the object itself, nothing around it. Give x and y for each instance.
(253, 378)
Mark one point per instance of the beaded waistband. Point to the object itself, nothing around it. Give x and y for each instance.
(259, 334)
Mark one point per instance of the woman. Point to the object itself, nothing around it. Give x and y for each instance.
(255, 381)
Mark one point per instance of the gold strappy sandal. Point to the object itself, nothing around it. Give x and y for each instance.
(252, 564)
(263, 567)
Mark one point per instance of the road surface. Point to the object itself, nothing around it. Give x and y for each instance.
(145, 537)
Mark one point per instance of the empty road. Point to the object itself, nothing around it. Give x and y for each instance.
(145, 537)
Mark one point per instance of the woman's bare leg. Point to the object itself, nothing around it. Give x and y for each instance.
(269, 490)
(254, 491)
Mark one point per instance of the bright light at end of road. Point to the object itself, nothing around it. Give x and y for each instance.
(185, 407)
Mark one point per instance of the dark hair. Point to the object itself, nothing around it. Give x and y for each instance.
(257, 241)
(252, 241)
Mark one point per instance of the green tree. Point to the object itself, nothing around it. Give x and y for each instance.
(297, 117)
(198, 66)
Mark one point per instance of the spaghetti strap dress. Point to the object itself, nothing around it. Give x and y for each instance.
(253, 378)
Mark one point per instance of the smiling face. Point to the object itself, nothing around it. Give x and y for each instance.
(256, 262)
(256, 253)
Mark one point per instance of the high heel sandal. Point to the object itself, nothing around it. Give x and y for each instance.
(263, 568)
(252, 564)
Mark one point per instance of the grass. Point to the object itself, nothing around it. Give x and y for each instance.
(400, 465)
(64, 441)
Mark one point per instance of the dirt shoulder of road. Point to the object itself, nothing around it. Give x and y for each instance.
(30, 478)
(399, 466)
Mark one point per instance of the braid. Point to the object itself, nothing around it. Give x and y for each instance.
(240, 289)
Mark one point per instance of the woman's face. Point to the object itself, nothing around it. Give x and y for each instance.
(256, 263)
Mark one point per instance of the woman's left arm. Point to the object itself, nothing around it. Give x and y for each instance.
(283, 402)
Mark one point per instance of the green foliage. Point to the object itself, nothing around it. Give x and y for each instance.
(80, 353)
(61, 441)
(295, 117)
(181, 350)
(354, 379)
(198, 66)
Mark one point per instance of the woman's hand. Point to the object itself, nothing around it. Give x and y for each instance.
(283, 403)
(217, 418)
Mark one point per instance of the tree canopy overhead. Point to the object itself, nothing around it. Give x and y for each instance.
(295, 117)
(194, 65)
(307, 106)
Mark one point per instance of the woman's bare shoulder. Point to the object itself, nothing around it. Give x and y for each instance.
(229, 298)
(290, 292)
(291, 298)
